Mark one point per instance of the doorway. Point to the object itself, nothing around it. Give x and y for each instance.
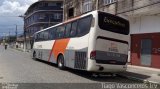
(146, 52)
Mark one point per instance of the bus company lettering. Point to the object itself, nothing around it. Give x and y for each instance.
(110, 21)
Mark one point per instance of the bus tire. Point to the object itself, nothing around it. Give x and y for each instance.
(60, 62)
(34, 55)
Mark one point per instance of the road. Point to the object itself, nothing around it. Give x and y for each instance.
(18, 67)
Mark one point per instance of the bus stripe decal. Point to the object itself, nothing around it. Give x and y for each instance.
(51, 52)
(59, 47)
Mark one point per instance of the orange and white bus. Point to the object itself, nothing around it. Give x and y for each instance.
(96, 42)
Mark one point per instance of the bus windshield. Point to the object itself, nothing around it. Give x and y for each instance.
(113, 23)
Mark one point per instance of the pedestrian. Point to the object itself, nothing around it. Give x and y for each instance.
(6, 46)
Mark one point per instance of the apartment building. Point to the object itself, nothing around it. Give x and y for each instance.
(144, 17)
(40, 15)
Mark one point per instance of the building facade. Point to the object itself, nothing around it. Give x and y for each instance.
(40, 15)
(144, 17)
(74, 8)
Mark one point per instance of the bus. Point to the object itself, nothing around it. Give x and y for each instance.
(96, 42)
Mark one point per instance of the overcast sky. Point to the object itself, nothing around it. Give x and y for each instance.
(9, 12)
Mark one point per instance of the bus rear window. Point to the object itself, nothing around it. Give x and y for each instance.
(113, 23)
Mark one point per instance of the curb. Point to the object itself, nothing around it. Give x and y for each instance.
(20, 50)
(17, 49)
(139, 79)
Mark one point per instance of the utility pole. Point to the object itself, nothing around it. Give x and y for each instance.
(4, 38)
(16, 37)
(9, 37)
(16, 33)
(97, 5)
(25, 45)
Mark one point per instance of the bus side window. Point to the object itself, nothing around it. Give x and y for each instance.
(41, 36)
(60, 32)
(84, 25)
(35, 37)
(38, 37)
(73, 29)
(46, 35)
(52, 33)
(68, 29)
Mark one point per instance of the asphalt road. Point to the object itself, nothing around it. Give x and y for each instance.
(18, 67)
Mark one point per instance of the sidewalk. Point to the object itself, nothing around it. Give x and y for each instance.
(20, 49)
(144, 74)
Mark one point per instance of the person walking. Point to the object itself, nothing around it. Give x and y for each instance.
(6, 46)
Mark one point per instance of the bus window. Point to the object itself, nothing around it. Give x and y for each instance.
(113, 23)
(84, 26)
(38, 37)
(41, 36)
(45, 35)
(60, 32)
(68, 29)
(52, 33)
(73, 29)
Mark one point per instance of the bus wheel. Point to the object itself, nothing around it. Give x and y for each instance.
(61, 62)
(34, 55)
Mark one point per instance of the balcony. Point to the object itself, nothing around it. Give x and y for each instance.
(44, 8)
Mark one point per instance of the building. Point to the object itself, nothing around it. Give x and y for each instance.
(40, 15)
(74, 8)
(144, 17)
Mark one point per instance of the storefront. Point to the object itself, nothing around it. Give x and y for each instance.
(145, 50)
(145, 41)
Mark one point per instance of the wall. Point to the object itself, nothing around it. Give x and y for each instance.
(138, 7)
(77, 5)
(136, 48)
(145, 24)
(141, 28)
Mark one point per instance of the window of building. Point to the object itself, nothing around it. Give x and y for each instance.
(87, 6)
(41, 16)
(106, 2)
(40, 4)
(71, 12)
(59, 4)
(57, 16)
(46, 4)
(52, 4)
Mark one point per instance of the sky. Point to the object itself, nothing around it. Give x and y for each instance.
(9, 12)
